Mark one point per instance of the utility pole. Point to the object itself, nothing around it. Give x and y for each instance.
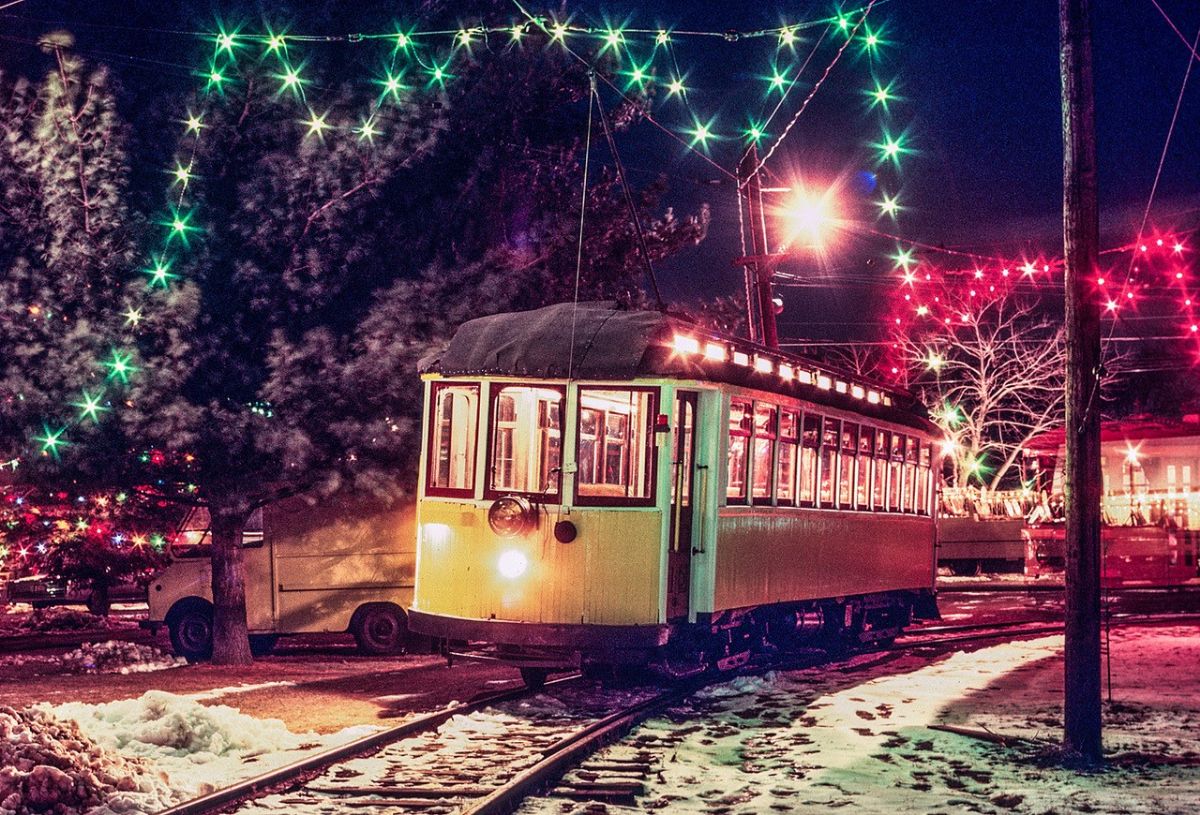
(1081, 239)
(760, 297)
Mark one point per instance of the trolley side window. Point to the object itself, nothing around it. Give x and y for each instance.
(785, 484)
(866, 448)
(526, 440)
(879, 482)
(452, 440)
(829, 457)
(849, 449)
(924, 479)
(765, 430)
(740, 418)
(911, 458)
(810, 443)
(894, 472)
(616, 445)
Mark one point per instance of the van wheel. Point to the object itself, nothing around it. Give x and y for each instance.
(192, 633)
(380, 629)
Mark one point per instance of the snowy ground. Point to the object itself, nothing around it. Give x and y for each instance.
(859, 739)
(111, 656)
(139, 755)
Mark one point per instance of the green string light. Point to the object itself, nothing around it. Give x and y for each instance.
(51, 440)
(160, 276)
(889, 205)
(316, 124)
(366, 131)
(392, 85)
(90, 406)
(119, 366)
(179, 226)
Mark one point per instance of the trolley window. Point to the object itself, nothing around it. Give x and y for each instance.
(739, 437)
(765, 430)
(849, 449)
(810, 444)
(879, 488)
(911, 457)
(828, 463)
(923, 479)
(450, 466)
(616, 445)
(866, 448)
(785, 484)
(894, 473)
(526, 440)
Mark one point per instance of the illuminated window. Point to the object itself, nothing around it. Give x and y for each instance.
(764, 450)
(911, 459)
(828, 463)
(879, 482)
(924, 479)
(895, 472)
(526, 452)
(848, 457)
(810, 443)
(739, 437)
(785, 483)
(451, 462)
(615, 443)
(866, 447)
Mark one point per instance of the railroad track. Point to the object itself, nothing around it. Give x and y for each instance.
(479, 757)
(485, 756)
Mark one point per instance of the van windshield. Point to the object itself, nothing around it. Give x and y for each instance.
(194, 538)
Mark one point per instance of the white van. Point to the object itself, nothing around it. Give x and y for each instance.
(341, 565)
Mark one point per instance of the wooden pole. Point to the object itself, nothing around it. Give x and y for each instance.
(1081, 239)
(759, 271)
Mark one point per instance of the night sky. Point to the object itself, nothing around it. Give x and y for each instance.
(980, 108)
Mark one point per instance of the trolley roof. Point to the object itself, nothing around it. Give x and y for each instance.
(605, 341)
(1137, 428)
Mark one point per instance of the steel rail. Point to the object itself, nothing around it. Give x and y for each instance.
(285, 776)
(570, 751)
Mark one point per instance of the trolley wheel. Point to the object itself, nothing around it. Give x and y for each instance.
(534, 678)
(380, 629)
(192, 633)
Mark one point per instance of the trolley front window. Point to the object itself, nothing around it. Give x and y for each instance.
(526, 440)
(450, 466)
(616, 445)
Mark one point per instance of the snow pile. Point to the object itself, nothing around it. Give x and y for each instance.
(47, 765)
(196, 748)
(58, 618)
(116, 656)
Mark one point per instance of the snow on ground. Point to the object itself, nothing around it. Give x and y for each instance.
(21, 618)
(858, 739)
(140, 755)
(113, 656)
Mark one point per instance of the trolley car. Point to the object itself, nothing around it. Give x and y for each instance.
(601, 486)
(1150, 510)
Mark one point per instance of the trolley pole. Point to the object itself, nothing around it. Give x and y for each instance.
(758, 269)
(1081, 238)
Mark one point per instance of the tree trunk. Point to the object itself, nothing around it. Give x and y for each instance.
(98, 601)
(231, 640)
(1081, 239)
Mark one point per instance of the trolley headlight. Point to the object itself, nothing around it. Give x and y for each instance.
(510, 515)
(512, 563)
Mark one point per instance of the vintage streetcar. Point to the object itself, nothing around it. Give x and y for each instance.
(602, 487)
(1151, 505)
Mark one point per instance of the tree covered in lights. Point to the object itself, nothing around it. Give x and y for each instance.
(316, 242)
(68, 238)
(993, 378)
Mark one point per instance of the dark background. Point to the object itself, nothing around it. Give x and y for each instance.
(979, 82)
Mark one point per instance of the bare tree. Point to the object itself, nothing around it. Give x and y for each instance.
(993, 377)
